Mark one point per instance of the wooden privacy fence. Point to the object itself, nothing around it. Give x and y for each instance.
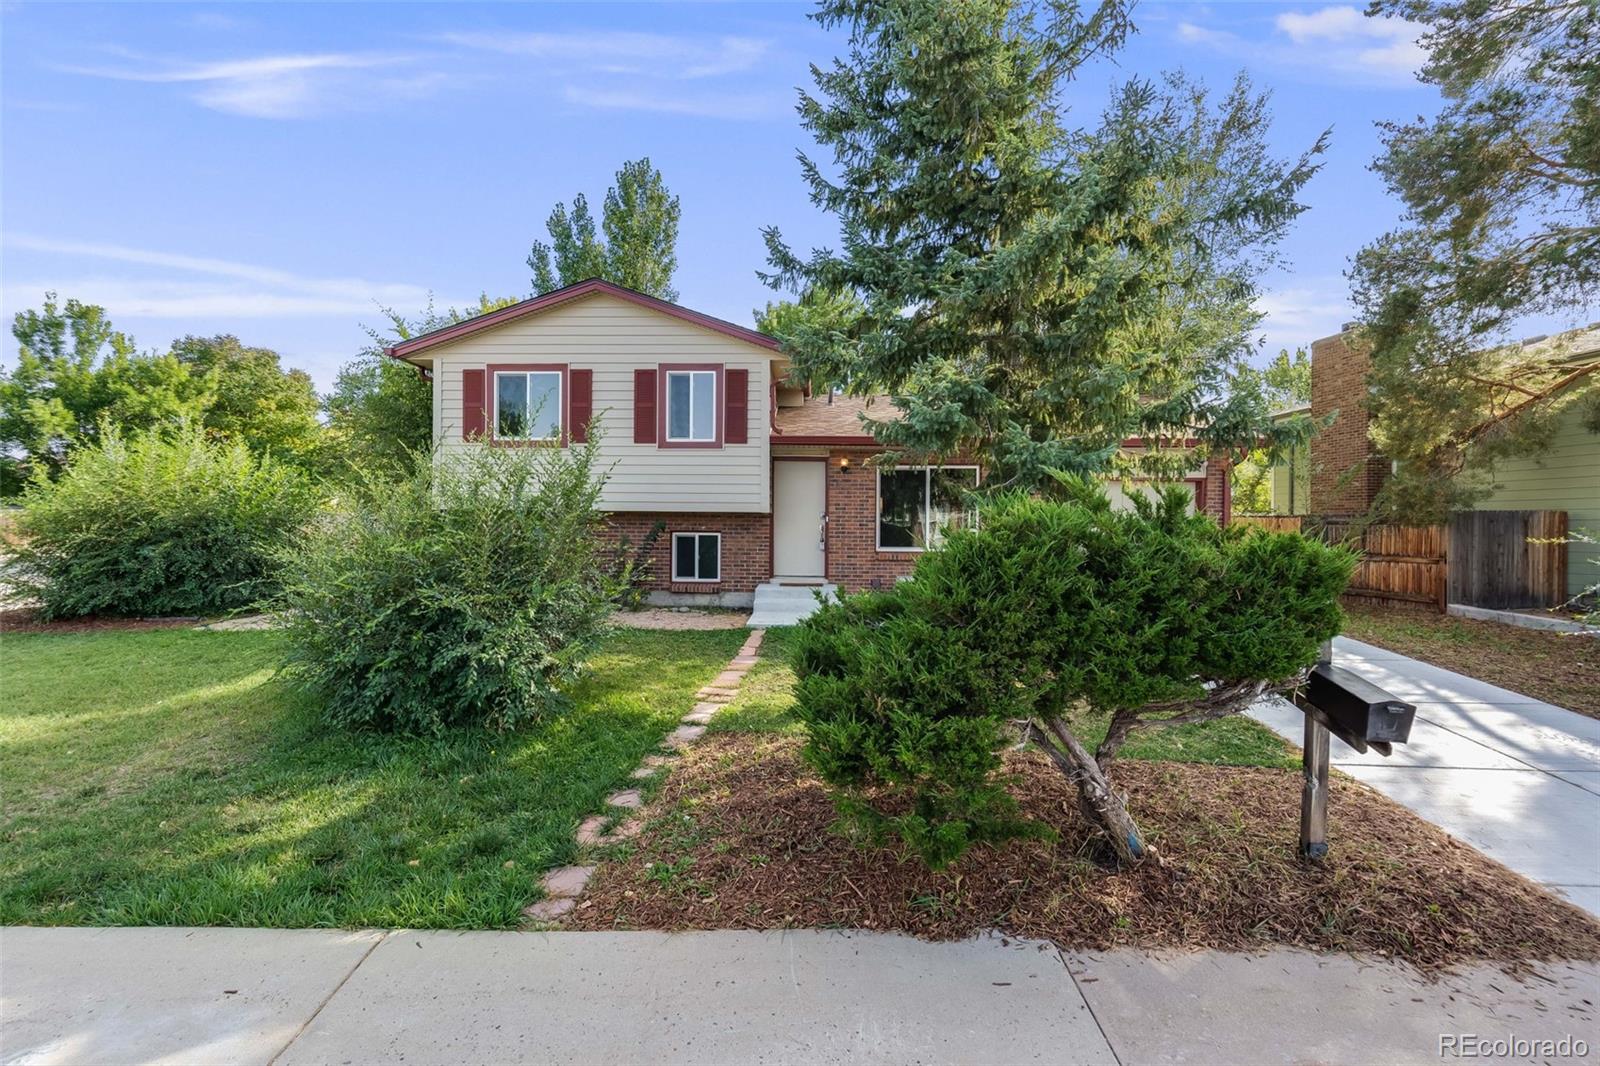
(1278, 523)
(1508, 559)
(1496, 559)
(1399, 564)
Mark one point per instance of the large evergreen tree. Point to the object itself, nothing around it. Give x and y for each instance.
(1502, 192)
(1035, 293)
(640, 223)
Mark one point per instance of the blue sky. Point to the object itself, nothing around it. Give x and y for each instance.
(278, 171)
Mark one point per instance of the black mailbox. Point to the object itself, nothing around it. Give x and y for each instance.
(1355, 710)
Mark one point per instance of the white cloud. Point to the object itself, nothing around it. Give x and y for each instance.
(1402, 58)
(222, 289)
(214, 20)
(651, 54)
(1298, 315)
(1341, 24)
(605, 69)
(278, 86)
(739, 106)
(1189, 33)
(1339, 40)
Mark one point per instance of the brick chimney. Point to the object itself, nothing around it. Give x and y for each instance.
(1345, 472)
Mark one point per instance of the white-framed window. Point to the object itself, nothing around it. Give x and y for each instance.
(692, 405)
(527, 405)
(916, 503)
(697, 557)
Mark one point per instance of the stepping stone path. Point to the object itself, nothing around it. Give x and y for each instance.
(563, 886)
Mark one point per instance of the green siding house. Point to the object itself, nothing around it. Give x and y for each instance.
(1565, 478)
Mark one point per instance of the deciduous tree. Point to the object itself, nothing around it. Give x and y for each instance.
(640, 222)
(255, 400)
(380, 411)
(74, 373)
(1284, 383)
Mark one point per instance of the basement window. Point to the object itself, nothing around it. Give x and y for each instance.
(697, 556)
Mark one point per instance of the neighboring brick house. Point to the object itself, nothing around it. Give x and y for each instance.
(1347, 472)
(750, 480)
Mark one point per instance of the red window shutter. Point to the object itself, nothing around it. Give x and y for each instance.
(472, 404)
(736, 407)
(581, 409)
(644, 407)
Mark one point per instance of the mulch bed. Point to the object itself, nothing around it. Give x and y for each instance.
(26, 620)
(742, 837)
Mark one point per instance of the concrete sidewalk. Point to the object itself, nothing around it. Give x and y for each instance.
(1516, 778)
(315, 996)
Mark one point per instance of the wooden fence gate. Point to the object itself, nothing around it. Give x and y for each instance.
(1508, 559)
(1399, 564)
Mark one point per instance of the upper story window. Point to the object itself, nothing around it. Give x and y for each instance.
(915, 503)
(691, 405)
(527, 405)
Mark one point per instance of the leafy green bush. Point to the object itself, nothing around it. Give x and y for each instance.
(161, 522)
(1151, 617)
(464, 595)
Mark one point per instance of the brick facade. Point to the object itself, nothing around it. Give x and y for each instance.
(1345, 473)
(854, 561)
(1218, 495)
(746, 550)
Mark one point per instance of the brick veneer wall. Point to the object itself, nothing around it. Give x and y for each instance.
(1345, 472)
(746, 548)
(1219, 490)
(854, 561)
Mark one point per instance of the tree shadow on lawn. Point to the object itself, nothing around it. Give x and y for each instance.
(254, 812)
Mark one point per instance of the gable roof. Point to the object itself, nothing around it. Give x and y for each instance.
(555, 298)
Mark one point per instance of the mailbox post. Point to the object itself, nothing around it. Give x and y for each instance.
(1340, 703)
(1314, 757)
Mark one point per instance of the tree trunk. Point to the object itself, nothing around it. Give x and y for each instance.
(1097, 801)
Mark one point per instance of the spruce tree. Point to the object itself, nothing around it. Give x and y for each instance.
(1036, 293)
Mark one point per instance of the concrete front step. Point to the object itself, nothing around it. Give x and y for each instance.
(785, 605)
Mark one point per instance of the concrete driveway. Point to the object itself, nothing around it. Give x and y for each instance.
(1517, 778)
(805, 996)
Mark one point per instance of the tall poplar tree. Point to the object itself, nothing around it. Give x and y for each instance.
(1035, 293)
(639, 249)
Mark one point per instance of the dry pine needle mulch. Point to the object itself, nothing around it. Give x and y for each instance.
(742, 837)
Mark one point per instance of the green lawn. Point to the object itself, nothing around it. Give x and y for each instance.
(164, 777)
(765, 704)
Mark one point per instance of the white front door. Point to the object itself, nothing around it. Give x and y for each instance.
(799, 500)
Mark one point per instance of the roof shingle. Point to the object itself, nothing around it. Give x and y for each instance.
(833, 416)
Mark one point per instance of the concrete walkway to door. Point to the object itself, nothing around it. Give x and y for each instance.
(1517, 778)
